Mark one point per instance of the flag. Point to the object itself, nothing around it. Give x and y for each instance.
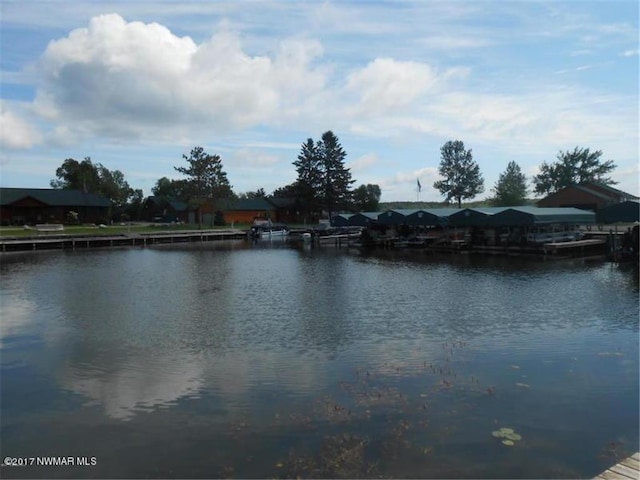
(419, 186)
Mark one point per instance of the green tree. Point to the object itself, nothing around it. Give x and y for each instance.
(571, 168)
(366, 198)
(94, 178)
(288, 191)
(260, 193)
(335, 193)
(114, 187)
(462, 178)
(511, 187)
(74, 175)
(309, 183)
(174, 189)
(207, 180)
(134, 206)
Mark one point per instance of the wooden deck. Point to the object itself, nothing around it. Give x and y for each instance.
(61, 242)
(554, 247)
(627, 469)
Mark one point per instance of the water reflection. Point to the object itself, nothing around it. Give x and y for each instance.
(132, 382)
(273, 355)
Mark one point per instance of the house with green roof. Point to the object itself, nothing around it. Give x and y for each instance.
(30, 206)
(158, 208)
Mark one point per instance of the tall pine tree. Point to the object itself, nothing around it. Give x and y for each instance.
(323, 183)
(336, 186)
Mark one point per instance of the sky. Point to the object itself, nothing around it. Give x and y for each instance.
(136, 84)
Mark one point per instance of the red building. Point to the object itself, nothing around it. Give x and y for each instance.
(586, 196)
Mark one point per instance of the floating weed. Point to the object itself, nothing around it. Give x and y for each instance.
(507, 435)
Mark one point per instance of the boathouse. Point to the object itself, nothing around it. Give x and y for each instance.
(624, 212)
(395, 216)
(533, 216)
(341, 220)
(363, 219)
(474, 217)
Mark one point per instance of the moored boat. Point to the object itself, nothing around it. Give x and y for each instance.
(267, 230)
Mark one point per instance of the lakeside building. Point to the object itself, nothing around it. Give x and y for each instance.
(22, 206)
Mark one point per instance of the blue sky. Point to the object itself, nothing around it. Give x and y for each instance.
(136, 84)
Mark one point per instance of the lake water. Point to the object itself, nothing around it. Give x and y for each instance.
(236, 360)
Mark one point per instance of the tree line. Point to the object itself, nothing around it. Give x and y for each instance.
(462, 178)
(324, 184)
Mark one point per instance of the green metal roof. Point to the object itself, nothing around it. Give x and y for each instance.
(395, 216)
(53, 197)
(523, 216)
(341, 219)
(363, 219)
(422, 217)
(240, 204)
(474, 217)
(163, 202)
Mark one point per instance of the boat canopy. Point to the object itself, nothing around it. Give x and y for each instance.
(341, 219)
(480, 217)
(529, 216)
(474, 217)
(422, 217)
(363, 219)
(395, 216)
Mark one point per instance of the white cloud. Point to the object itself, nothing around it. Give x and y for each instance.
(386, 84)
(15, 132)
(630, 53)
(362, 163)
(129, 79)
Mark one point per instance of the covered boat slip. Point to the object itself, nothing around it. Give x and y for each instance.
(469, 217)
(475, 227)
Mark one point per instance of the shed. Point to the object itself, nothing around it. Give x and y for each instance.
(363, 219)
(626, 212)
(531, 216)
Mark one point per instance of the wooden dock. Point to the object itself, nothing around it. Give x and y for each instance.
(72, 242)
(628, 469)
(576, 245)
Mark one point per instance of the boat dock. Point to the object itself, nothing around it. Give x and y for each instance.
(627, 469)
(72, 242)
(580, 245)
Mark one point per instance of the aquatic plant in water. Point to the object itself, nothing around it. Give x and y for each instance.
(507, 435)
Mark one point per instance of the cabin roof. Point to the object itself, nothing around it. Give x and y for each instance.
(53, 197)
